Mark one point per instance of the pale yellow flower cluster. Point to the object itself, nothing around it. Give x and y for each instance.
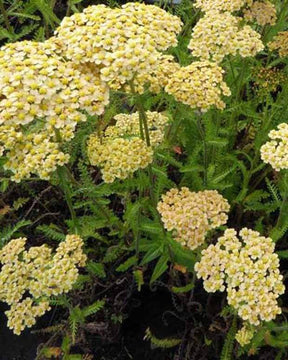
(123, 42)
(249, 269)
(218, 34)
(221, 5)
(128, 124)
(264, 12)
(35, 82)
(118, 157)
(280, 43)
(245, 335)
(32, 153)
(29, 277)
(41, 92)
(120, 151)
(275, 152)
(199, 85)
(190, 215)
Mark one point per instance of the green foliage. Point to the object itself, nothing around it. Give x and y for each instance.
(227, 350)
(125, 239)
(161, 343)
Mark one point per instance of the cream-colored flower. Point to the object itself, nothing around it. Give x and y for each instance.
(280, 43)
(218, 34)
(29, 278)
(123, 42)
(275, 152)
(190, 215)
(249, 270)
(199, 85)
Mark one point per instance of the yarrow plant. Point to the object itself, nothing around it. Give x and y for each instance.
(264, 12)
(41, 97)
(190, 215)
(144, 134)
(29, 278)
(248, 269)
(218, 34)
(120, 151)
(275, 152)
(123, 43)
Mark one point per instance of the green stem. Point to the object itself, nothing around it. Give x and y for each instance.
(62, 174)
(205, 159)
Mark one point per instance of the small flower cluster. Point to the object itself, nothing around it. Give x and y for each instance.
(264, 12)
(122, 42)
(275, 152)
(121, 151)
(118, 157)
(218, 34)
(221, 5)
(40, 92)
(249, 269)
(280, 43)
(35, 82)
(190, 215)
(245, 335)
(199, 85)
(29, 277)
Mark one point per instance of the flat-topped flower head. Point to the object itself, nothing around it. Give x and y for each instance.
(247, 267)
(190, 215)
(275, 152)
(36, 83)
(218, 34)
(41, 95)
(29, 277)
(199, 85)
(118, 157)
(263, 12)
(120, 151)
(123, 42)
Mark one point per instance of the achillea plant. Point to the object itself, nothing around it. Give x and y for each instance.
(123, 42)
(249, 270)
(275, 152)
(41, 98)
(120, 151)
(29, 277)
(280, 43)
(190, 215)
(218, 34)
(199, 85)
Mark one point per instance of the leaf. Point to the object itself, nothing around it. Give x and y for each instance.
(127, 264)
(96, 269)
(94, 308)
(152, 254)
(182, 289)
(160, 268)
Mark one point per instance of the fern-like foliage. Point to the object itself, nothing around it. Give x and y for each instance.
(161, 343)
(227, 350)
